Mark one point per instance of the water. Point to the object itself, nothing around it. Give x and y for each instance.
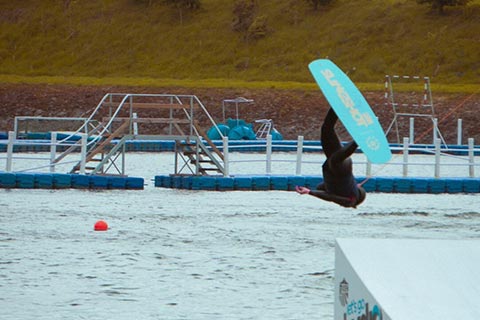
(175, 254)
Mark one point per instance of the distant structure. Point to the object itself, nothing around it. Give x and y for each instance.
(418, 104)
(239, 129)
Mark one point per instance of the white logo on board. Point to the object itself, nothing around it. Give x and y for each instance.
(373, 143)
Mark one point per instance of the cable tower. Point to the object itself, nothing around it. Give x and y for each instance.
(417, 104)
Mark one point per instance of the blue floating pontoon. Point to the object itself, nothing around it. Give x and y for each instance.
(288, 183)
(62, 181)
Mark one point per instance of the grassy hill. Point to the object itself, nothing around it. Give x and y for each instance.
(134, 39)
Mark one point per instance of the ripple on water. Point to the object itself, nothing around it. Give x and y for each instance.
(463, 215)
(195, 255)
(395, 213)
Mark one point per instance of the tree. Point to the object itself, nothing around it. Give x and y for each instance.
(258, 29)
(148, 3)
(182, 5)
(440, 4)
(244, 12)
(247, 21)
(317, 3)
(185, 4)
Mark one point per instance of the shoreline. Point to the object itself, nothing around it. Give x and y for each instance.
(294, 112)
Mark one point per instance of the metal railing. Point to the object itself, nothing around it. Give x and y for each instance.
(407, 160)
(404, 157)
(48, 159)
(112, 108)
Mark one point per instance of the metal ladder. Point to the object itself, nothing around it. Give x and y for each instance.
(118, 118)
(105, 152)
(264, 129)
(199, 154)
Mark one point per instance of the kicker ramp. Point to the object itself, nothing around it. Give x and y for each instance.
(407, 279)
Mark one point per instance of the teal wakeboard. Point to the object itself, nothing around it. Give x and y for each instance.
(352, 109)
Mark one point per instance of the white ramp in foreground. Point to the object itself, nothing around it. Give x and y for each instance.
(395, 279)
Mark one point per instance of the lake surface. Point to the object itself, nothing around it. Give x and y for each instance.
(177, 254)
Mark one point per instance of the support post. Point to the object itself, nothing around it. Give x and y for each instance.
(298, 170)
(226, 164)
(471, 158)
(459, 132)
(176, 157)
(170, 123)
(83, 154)
(130, 129)
(369, 168)
(123, 159)
(405, 156)
(435, 130)
(11, 142)
(135, 123)
(191, 116)
(197, 155)
(437, 158)
(269, 154)
(53, 151)
(412, 130)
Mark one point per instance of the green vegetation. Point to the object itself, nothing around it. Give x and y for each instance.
(150, 43)
(441, 4)
(222, 83)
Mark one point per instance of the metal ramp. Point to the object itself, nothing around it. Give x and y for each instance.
(390, 279)
(120, 117)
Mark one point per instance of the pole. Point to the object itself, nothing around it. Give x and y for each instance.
(405, 156)
(459, 132)
(269, 154)
(53, 151)
(135, 123)
(11, 141)
(369, 168)
(298, 170)
(226, 164)
(83, 154)
(437, 158)
(412, 129)
(471, 158)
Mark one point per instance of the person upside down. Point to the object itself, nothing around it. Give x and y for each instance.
(339, 184)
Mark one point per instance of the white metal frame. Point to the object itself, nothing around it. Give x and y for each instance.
(426, 103)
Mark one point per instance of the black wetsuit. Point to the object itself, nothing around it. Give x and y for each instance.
(339, 184)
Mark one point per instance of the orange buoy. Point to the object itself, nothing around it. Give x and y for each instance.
(100, 225)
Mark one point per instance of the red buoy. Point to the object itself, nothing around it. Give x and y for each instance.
(101, 225)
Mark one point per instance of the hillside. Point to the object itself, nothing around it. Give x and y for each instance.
(58, 58)
(132, 38)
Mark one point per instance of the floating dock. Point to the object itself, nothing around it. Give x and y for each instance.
(288, 183)
(67, 181)
(392, 279)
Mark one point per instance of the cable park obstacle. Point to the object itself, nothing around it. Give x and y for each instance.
(237, 128)
(416, 104)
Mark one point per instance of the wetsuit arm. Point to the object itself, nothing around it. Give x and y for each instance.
(343, 201)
